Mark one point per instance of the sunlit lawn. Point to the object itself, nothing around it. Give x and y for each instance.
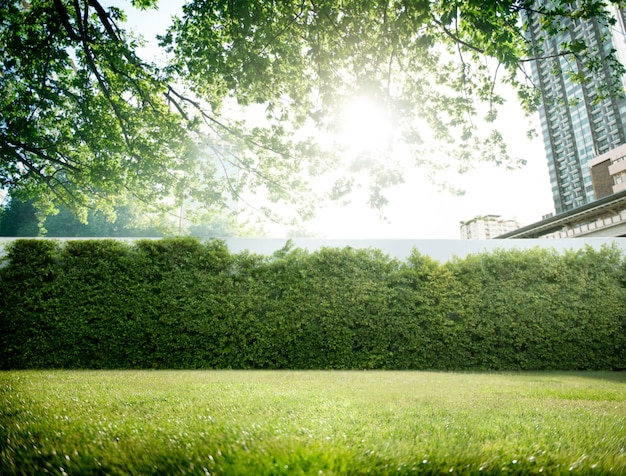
(252, 422)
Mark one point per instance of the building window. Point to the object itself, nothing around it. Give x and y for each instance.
(619, 178)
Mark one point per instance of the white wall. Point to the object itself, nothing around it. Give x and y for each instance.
(440, 250)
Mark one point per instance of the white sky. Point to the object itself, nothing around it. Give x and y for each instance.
(417, 210)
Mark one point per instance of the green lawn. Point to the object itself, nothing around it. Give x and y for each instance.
(257, 422)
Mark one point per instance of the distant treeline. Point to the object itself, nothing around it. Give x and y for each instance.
(19, 219)
(181, 303)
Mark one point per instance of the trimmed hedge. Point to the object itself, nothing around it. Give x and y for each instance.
(181, 303)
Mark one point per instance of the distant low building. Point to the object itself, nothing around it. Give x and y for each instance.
(486, 227)
(605, 217)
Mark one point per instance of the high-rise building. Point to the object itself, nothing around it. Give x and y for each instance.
(577, 121)
(486, 227)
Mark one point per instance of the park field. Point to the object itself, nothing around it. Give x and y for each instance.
(311, 422)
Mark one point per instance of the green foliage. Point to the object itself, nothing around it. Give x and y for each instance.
(85, 120)
(182, 303)
(431, 66)
(101, 327)
(27, 314)
(20, 219)
(538, 309)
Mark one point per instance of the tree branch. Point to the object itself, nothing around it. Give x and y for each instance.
(455, 37)
(65, 20)
(104, 19)
(232, 189)
(39, 176)
(285, 28)
(9, 144)
(208, 118)
(84, 40)
(522, 8)
(555, 55)
(464, 77)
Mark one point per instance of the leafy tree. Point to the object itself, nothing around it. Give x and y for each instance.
(86, 121)
(19, 218)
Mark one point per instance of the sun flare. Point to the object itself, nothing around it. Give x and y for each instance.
(365, 124)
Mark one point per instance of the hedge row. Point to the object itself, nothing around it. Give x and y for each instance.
(180, 303)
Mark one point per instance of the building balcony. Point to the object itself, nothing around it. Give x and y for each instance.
(617, 167)
(619, 187)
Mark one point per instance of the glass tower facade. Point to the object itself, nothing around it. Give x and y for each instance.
(577, 122)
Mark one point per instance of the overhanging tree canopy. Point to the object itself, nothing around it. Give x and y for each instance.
(86, 121)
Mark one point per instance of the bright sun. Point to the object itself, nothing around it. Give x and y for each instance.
(365, 124)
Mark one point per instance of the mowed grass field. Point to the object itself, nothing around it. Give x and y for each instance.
(311, 422)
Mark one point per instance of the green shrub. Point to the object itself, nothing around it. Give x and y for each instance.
(181, 303)
(27, 305)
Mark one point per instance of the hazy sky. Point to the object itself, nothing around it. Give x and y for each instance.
(417, 209)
